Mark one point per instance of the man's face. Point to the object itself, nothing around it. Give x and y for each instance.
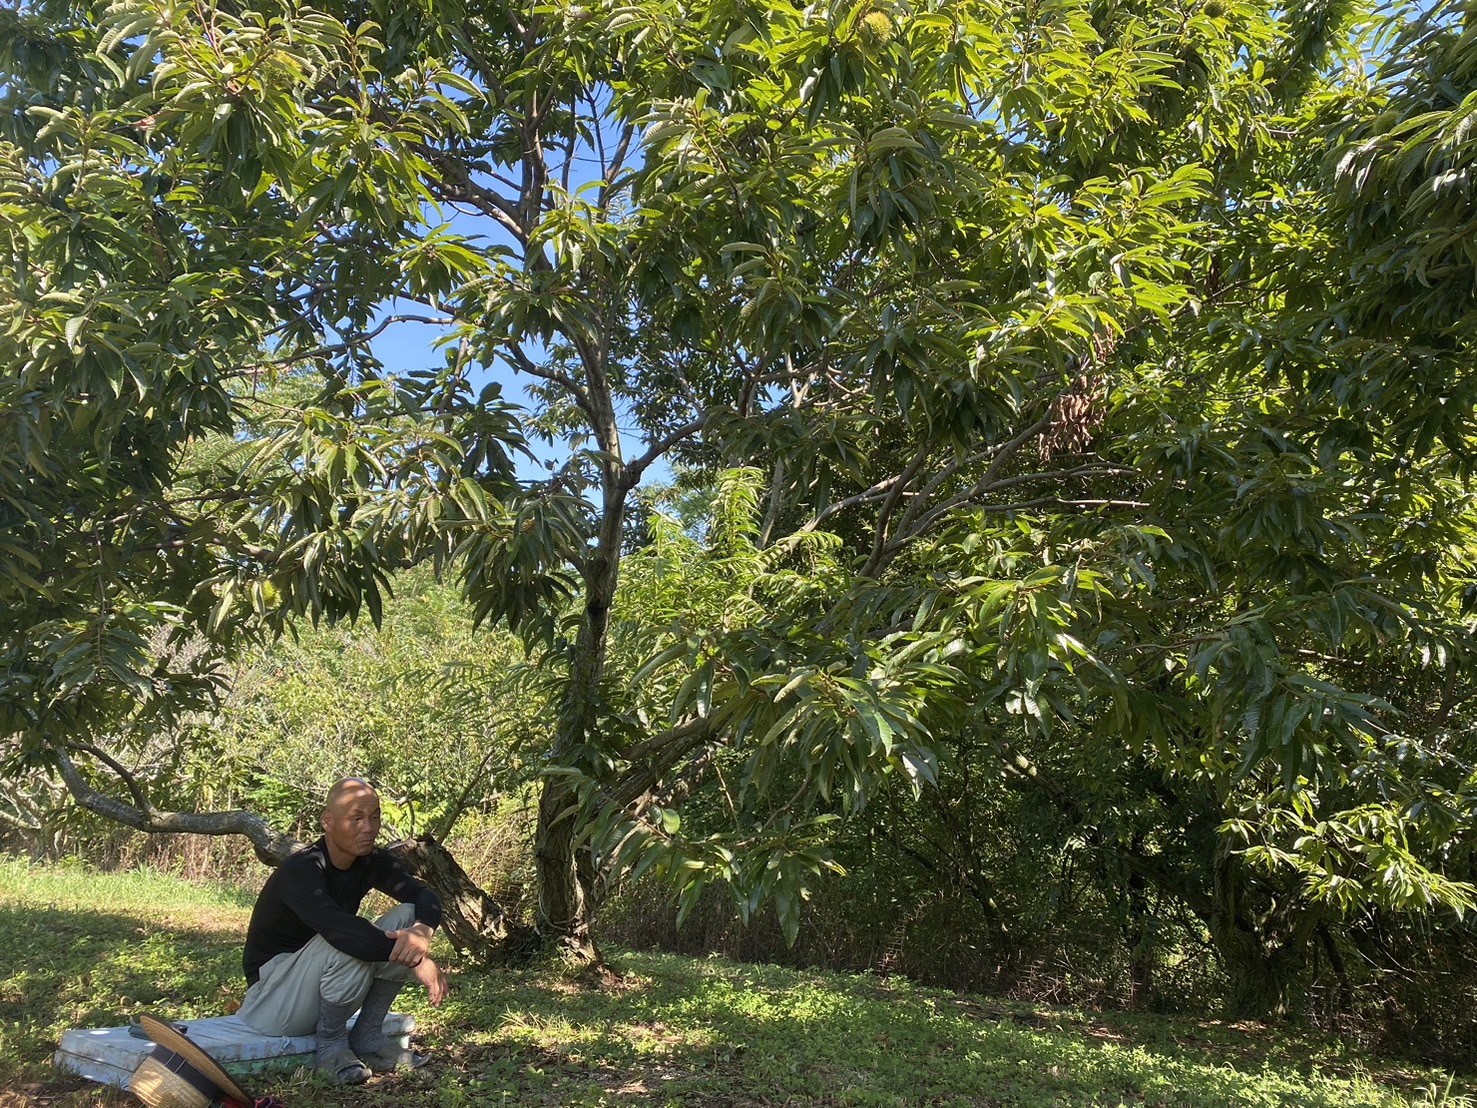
(352, 822)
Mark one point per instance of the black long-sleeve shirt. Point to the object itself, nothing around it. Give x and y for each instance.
(308, 895)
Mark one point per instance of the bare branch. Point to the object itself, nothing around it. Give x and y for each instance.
(999, 455)
(776, 501)
(347, 344)
(489, 203)
(610, 170)
(571, 140)
(751, 379)
(1093, 469)
(637, 467)
(535, 167)
(650, 761)
(135, 790)
(889, 505)
(877, 492)
(984, 485)
(1059, 502)
(270, 846)
(525, 364)
(486, 72)
(19, 822)
(1449, 696)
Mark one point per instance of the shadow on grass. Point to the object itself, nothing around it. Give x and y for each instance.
(669, 1030)
(66, 968)
(714, 1033)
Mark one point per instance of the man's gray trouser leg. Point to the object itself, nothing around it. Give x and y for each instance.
(285, 1000)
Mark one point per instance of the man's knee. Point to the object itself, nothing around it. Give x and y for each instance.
(346, 979)
(400, 916)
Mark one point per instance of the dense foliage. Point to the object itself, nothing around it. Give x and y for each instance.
(1079, 388)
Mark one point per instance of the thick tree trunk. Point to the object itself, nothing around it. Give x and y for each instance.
(566, 909)
(1340, 970)
(1139, 936)
(475, 924)
(1264, 954)
(565, 906)
(566, 882)
(1262, 972)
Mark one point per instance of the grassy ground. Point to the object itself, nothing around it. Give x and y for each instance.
(82, 949)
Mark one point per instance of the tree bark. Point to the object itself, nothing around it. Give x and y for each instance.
(1260, 973)
(566, 881)
(271, 846)
(564, 907)
(1263, 956)
(1139, 936)
(472, 921)
(566, 893)
(1340, 970)
(564, 911)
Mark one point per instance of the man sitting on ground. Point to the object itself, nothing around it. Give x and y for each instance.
(311, 959)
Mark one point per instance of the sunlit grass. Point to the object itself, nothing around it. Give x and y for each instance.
(83, 949)
(75, 884)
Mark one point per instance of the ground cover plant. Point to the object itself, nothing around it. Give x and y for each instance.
(83, 948)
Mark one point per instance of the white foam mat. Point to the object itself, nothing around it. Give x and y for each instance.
(111, 1054)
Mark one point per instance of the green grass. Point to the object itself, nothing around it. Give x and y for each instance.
(74, 884)
(86, 949)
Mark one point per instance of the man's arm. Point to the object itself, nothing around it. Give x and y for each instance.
(411, 943)
(305, 892)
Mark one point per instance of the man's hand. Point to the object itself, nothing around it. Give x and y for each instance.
(411, 944)
(429, 974)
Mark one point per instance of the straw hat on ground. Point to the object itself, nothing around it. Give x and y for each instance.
(178, 1074)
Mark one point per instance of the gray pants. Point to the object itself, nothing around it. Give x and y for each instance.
(285, 999)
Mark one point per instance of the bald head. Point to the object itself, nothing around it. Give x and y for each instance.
(346, 786)
(351, 821)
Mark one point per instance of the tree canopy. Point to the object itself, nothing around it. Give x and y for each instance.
(1079, 385)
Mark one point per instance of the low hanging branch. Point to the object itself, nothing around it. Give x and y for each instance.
(271, 846)
(475, 924)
